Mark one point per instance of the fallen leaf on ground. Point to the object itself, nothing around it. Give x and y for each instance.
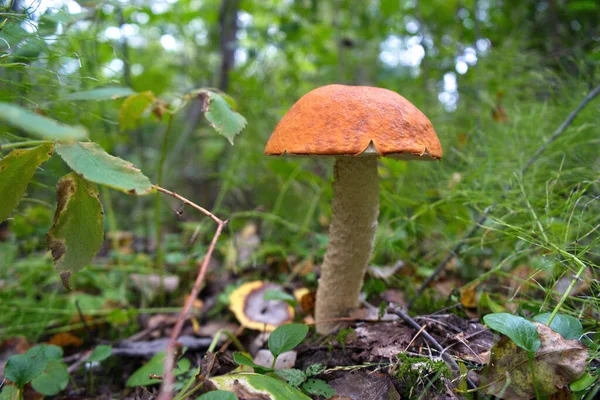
(556, 363)
(255, 387)
(361, 385)
(65, 339)
(468, 296)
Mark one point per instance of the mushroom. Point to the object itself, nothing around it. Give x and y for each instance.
(356, 125)
(254, 312)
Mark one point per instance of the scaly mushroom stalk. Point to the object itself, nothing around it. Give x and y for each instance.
(352, 234)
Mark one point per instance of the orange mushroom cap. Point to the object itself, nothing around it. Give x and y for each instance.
(347, 120)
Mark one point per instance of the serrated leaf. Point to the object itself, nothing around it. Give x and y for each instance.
(293, 376)
(242, 359)
(16, 171)
(38, 125)
(518, 329)
(286, 337)
(141, 377)
(100, 353)
(220, 115)
(218, 395)
(100, 94)
(280, 295)
(90, 161)
(22, 368)
(54, 379)
(569, 327)
(318, 387)
(248, 385)
(78, 229)
(557, 363)
(133, 107)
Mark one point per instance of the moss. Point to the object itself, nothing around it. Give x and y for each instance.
(418, 375)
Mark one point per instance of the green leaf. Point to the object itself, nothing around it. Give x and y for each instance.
(100, 353)
(22, 368)
(286, 337)
(569, 327)
(293, 376)
(242, 359)
(522, 332)
(583, 383)
(16, 170)
(280, 295)
(155, 366)
(218, 395)
(220, 115)
(78, 229)
(53, 352)
(318, 387)
(132, 109)
(109, 93)
(251, 385)
(90, 161)
(38, 125)
(54, 379)
(9, 392)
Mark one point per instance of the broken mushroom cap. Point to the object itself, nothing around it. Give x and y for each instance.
(356, 124)
(254, 312)
(339, 120)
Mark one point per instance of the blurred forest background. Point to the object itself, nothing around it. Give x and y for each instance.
(495, 77)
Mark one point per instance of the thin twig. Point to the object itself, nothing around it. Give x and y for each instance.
(189, 203)
(168, 377)
(483, 218)
(413, 324)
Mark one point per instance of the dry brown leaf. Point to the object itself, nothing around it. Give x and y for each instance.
(361, 385)
(65, 339)
(557, 363)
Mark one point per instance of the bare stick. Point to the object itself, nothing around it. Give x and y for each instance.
(483, 218)
(168, 377)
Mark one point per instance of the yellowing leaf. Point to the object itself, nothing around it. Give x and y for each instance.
(16, 170)
(255, 386)
(556, 363)
(468, 297)
(78, 230)
(133, 107)
(38, 125)
(90, 161)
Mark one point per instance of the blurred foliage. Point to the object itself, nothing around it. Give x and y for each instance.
(495, 77)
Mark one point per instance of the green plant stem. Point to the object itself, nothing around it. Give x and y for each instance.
(157, 225)
(27, 143)
(236, 342)
(582, 268)
(531, 356)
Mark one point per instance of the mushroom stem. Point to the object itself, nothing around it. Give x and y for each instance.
(351, 236)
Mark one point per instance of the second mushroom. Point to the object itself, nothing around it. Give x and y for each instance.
(356, 125)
